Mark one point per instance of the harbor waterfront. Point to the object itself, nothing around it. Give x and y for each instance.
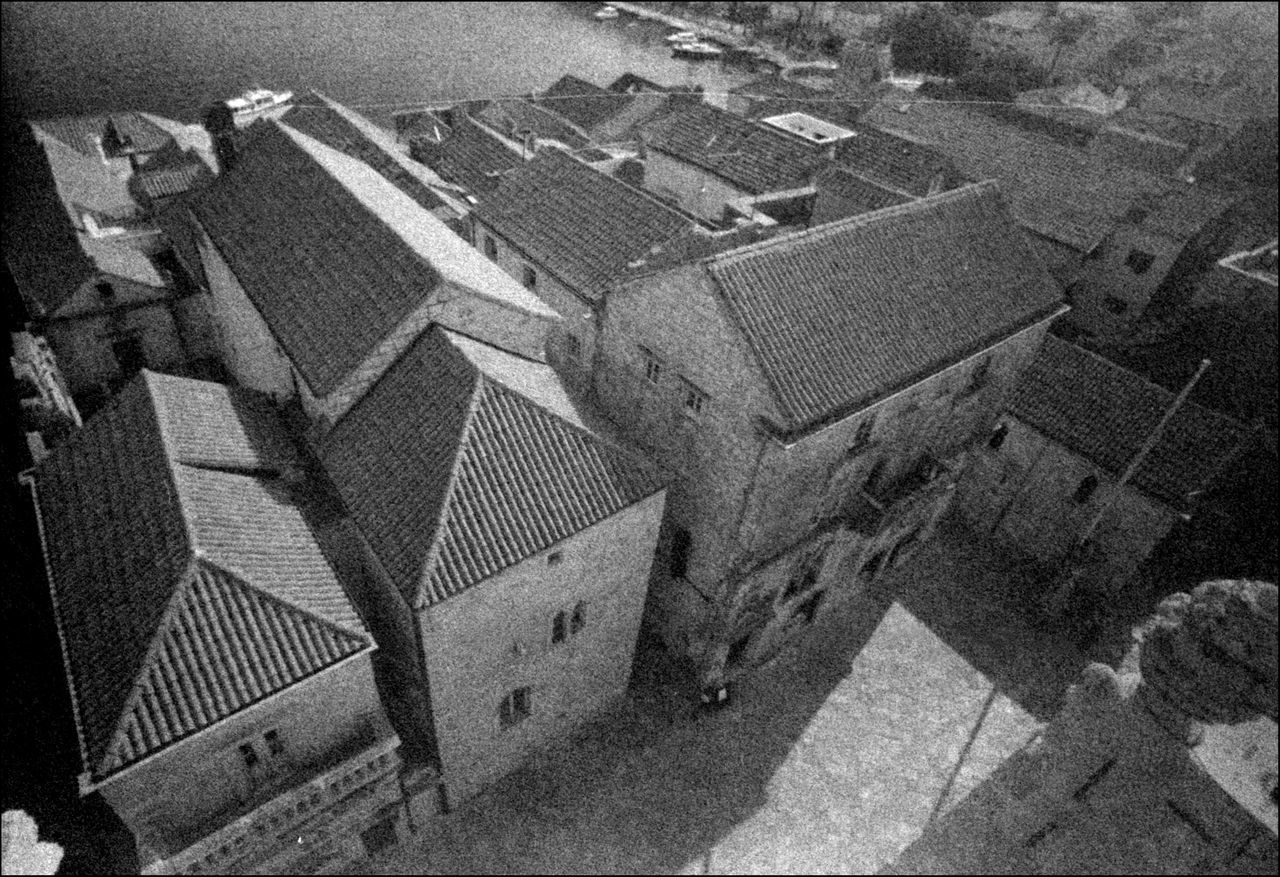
(176, 58)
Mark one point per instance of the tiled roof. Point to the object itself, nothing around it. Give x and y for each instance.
(856, 195)
(471, 156)
(895, 162)
(82, 133)
(1105, 413)
(516, 118)
(752, 157)
(324, 123)
(1054, 189)
(186, 582)
(172, 180)
(842, 314)
(582, 225)
(329, 277)
(583, 103)
(453, 485)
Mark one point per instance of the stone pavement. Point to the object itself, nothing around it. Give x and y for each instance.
(832, 759)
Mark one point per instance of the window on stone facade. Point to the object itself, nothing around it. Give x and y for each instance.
(558, 628)
(1085, 489)
(491, 247)
(573, 347)
(998, 435)
(862, 438)
(529, 278)
(105, 288)
(979, 378)
(579, 618)
(681, 543)
(275, 745)
(809, 608)
(1116, 305)
(249, 755)
(652, 366)
(1139, 262)
(694, 399)
(129, 354)
(515, 707)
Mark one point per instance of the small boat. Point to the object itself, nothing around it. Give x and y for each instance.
(684, 36)
(605, 13)
(697, 51)
(256, 100)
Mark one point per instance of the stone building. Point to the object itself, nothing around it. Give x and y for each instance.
(605, 115)
(320, 271)
(815, 394)
(512, 547)
(566, 232)
(49, 414)
(1050, 470)
(468, 154)
(222, 682)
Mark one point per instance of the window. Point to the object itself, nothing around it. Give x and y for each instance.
(979, 378)
(1084, 491)
(998, 435)
(1116, 305)
(274, 744)
(862, 438)
(1139, 262)
(573, 347)
(249, 754)
(491, 247)
(681, 542)
(652, 366)
(105, 288)
(694, 399)
(554, 558)
(514, 708)
(579, 619)
(558, 628)
(809, 608)
(130, 357)
(530, 278)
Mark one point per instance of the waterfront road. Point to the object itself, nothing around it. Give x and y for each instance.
(832, 759)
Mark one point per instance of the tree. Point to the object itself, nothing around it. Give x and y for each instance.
(1067, 31)
(929, 40)
(976, 10)
(1001, 77)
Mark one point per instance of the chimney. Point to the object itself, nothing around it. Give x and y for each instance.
(219, 121)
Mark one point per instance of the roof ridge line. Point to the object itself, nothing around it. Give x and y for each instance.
(433, 549)
(966, 192)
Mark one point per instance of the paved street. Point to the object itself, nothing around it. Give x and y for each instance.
(830, 760)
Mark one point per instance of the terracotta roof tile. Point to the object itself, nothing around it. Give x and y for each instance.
(750, 156)
(844, 313)
(471, 156)
(582, 225)
(1104, 412)
(583, 103)
(182, 593)
(82, 133)
(452, 487)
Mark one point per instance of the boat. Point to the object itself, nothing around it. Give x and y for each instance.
(697, 51)
(684, 36)
(605, 13)
(256, 100)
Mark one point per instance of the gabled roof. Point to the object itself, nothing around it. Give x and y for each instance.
(454, 474)
(471, 156)
(329, 277)
(856, 194)
(842, 314)
(517, 118)
(752, 157)
(1054, 189)
(83, 133)
(583, 103)
(1105, 413)
(895, 162)
(187, 584)
(582, 225)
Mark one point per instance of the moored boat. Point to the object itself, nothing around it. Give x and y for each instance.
(255, 100)
(605, 13)
(697, 51)
(684, 36)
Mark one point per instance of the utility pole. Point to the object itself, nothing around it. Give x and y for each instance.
(1060, 597)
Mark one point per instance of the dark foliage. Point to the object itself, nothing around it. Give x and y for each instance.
(929, 40)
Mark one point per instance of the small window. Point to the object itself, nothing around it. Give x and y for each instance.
(579, 619)
(530, 278)
(998, 435)
(491, 247)
(1139, 262)
(249, 754)
(514, 708)
(1084, 491)
(652, 366)
(130, 357)
(862, 438)
(694, 399)
(274, 744)
(573, 347)
(1116, 305)
(681, 543)
(105, 288)
(558, 628)
(554, 558)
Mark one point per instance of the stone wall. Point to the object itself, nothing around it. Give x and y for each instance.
(695, 190)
